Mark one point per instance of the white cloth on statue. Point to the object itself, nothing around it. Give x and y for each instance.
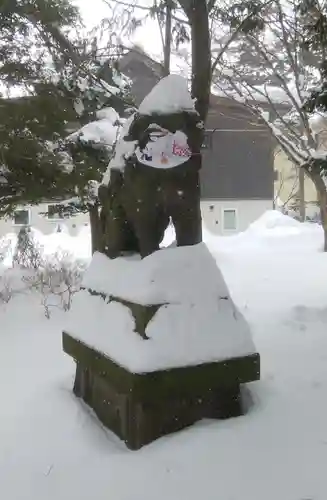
(164, 149)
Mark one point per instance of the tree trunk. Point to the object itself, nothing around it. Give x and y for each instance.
(167, 47)
(198, 15)
(302, 194)
(96, 234)
(322, 201)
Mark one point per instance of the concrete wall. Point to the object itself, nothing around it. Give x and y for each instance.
(246, 212)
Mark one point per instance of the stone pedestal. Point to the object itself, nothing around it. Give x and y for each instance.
(141, 407)
(158, 343)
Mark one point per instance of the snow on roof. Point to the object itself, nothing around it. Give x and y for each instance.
(260, 93)
(180, 66)
(170, 95)
(195, 324)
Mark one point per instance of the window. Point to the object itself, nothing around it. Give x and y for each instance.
(207, 139)
(22, 217)
(56, 212)
(230, 219)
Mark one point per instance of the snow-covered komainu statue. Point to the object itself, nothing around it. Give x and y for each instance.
(158, 157)
(129, 324)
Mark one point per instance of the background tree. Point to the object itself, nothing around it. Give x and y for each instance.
(29, 125)
(60, 83)
(314, 17)
(271, 69)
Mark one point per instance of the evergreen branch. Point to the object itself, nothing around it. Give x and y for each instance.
(51, 32)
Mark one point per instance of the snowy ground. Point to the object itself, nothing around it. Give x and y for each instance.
(52, 448)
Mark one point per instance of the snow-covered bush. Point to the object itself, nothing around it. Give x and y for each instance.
(6, 289)
(28, 253)
(30, 265)
(5, 248)
(11, 283)
(57, 280)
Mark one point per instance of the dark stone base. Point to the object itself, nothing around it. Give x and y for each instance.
(140, 408)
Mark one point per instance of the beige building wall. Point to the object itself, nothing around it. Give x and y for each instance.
(286, 185)
(35, 217)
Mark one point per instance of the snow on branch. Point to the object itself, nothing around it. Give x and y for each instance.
(99, 133)
(268, 68)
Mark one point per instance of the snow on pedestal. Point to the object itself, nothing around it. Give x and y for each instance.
(196, 322)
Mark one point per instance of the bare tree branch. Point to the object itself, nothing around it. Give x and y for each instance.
(295, 69)
(234, 35)
(160, 29)
(251, 90)
(292, 192)
(285, 143)
(283, 84)
(144, 8)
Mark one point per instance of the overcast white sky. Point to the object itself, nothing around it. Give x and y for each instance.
(148, 36)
